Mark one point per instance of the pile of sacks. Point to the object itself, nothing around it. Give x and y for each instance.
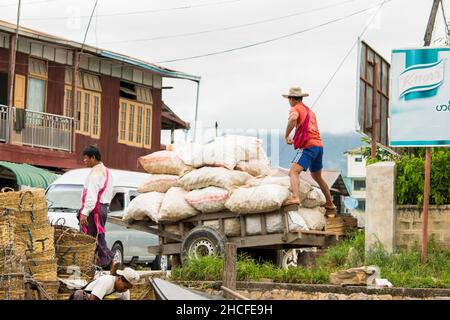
(231, 173)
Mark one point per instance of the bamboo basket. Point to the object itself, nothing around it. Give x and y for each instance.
(51, 287)
(7, 228)
(142, 291)
(39, 238)
(26, 199)
(41, 270)
(74, 248)
(12, 286)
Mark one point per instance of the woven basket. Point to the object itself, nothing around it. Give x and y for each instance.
(7, 228)
(41, 270)
(11, 287)
(37, 237)
(142, 291)
(74, 248)
(63, 296)
(27, 200)
(51, 287)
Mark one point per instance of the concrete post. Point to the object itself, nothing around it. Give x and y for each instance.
(381, 205)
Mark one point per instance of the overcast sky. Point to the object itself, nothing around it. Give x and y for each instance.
(241, 89)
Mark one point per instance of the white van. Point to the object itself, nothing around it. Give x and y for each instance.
(64, 201)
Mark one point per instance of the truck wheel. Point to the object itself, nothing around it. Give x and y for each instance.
(288, 258)
(161, 263)
(203, 241)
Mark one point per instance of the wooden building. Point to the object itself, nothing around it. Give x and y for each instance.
(114, 101)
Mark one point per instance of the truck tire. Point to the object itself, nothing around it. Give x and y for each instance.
(157, 264)
(203, 241)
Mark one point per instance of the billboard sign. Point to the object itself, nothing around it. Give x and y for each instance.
(420, 97)
(373, 85)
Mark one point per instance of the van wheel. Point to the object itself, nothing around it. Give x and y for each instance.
(117, 249)
(203, 241)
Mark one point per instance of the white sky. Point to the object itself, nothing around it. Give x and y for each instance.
(242, 89)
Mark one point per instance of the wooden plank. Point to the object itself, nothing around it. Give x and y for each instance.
(170, 248)
(229, 267)
(243, 226)
(145, 227)
(233, 293)
(263, 223)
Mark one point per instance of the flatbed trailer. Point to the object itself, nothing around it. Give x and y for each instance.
(193, 237)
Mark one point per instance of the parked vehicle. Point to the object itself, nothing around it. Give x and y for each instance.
(129, 245)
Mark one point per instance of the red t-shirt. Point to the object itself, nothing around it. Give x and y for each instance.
(299, 112)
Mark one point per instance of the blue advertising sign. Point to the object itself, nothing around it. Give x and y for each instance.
(419, 110)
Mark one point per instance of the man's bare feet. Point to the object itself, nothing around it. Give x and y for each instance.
(292, 200)
(330, 211)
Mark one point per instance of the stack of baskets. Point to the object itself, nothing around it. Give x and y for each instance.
(32, 229)
(11, 255)
(74, 250)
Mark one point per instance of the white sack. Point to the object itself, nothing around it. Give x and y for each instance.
(213, 177)
(264, 198)
(190, 153)
(296, 222)
(174, 206)
(315, 218)
(158, 183)
(232, 226)
(163, 162)
(315, 198)
(255, 168)
(143, 206)
(207, 200)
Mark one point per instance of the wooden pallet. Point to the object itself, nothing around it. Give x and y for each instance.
(341, 224)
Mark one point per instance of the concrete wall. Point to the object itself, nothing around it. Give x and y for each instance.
(409, 225)
(381, 205)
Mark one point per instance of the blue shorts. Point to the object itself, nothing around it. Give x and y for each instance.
(310, 158)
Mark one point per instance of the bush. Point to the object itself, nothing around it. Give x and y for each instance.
(411, 175)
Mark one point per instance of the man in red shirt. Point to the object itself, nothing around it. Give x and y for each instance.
(309, 156)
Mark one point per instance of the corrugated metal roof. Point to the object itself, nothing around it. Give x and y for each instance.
(28, 175)
(33, 34)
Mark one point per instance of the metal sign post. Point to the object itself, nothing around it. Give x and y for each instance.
(426, 189)
(373, 151)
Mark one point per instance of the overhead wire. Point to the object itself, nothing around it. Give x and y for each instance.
(348, 53)
(26, 3)
(238, 26)
(136, 12)
(275, 38)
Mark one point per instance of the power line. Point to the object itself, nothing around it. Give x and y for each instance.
(179, 35)
(27, 3)
(351, 49)
(136, 12)
(274, 39)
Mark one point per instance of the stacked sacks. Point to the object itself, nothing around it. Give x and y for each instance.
(231, 172)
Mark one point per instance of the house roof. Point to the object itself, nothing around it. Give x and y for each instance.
(171, 121)
(34, 34)
(333, 179)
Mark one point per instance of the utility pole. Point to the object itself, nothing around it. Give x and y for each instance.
(12, 71)
(426, 192)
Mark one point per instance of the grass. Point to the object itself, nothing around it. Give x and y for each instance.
(402, 269)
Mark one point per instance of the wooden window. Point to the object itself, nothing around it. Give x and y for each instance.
(144, 95)
(135, 124)
(37, 85)
(96, 117)
(87, 112)
(123, 122)
(68, 111)
(148, 127)
(91, 82)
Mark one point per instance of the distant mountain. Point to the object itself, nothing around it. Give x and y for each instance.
(334, 147)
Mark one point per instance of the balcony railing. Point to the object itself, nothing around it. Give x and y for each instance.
(36, 129)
